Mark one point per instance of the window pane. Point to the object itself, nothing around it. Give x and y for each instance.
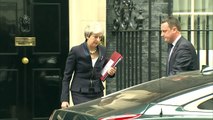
(204, 34)
(207, 105)
(203, 6)
(181, 5)
(211, 32)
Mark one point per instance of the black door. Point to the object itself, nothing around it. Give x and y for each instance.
(33, 50)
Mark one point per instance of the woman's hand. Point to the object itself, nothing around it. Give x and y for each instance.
(65, 104)
(112, 71)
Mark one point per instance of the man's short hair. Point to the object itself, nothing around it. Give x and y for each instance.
(172, 21)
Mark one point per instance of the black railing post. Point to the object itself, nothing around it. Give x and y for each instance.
(136, 56)
(179, 18)
(125, 59)
(149, 41)
(118, 46)
(129, 59)
(140, 55)
(198, 40)
(189, 28)
(207, 40)
(160, 49)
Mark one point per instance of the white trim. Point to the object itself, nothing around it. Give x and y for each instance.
(193, 13)
(192, 22)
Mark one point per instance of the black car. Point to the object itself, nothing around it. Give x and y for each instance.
(187, 96)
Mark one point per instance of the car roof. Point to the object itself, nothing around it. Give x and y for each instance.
(141, 95)
(167, 85)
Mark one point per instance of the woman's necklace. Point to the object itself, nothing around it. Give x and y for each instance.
(93, 52)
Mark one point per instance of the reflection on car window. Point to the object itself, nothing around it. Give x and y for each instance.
(207, 105)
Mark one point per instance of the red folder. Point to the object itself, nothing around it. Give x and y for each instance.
(114, 59)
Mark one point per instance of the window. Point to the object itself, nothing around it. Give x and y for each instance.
(207, 105)
(197, 10)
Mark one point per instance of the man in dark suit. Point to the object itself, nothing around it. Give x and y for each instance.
(181, 53)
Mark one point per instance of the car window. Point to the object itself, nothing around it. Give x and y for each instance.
(206, 105)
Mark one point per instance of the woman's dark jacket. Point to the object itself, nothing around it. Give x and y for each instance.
(85, 77)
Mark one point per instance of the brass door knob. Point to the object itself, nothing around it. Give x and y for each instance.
(25, 60)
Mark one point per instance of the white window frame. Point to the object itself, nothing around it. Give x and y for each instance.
(192, 13)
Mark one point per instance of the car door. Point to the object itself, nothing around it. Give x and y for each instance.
(33, 49)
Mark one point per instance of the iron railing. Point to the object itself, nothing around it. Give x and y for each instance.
(144, 52)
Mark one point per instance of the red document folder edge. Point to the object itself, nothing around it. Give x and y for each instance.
(114, 59)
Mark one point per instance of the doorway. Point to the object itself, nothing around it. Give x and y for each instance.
(33, 48)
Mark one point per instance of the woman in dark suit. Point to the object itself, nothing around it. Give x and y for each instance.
(85, 63)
